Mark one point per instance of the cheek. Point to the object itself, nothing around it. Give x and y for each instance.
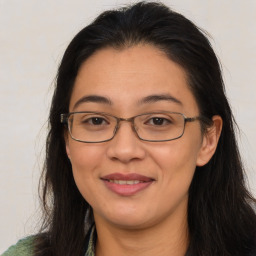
(176, 156)
(175, 163)
(85, 156)
(85, 159)
(177, 160)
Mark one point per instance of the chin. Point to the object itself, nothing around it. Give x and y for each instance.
(126, 219)
(131, 224)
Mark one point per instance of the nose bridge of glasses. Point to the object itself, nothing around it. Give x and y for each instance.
(130, 120)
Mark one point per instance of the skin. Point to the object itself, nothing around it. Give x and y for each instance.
(154, 220)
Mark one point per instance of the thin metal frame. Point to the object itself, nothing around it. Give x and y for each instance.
(64, 120)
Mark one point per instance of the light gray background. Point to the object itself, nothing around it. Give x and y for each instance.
(33, 36)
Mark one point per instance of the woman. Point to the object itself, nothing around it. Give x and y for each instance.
(141, 154)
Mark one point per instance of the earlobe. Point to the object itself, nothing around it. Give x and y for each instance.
(67, 145)
(67, 150)
(210, 141)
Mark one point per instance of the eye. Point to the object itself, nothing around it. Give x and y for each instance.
(158, 121)
(95, 121)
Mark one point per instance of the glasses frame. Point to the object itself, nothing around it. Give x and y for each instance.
(64, 120)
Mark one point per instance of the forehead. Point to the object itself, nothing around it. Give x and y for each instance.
(125, 76)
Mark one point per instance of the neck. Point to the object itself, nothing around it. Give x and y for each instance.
(167, 238)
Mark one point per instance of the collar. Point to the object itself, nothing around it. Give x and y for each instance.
(91, 243)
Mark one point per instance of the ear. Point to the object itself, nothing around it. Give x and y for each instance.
(66, 138)
(210, 141)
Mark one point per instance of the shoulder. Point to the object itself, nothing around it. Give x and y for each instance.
(24, 247)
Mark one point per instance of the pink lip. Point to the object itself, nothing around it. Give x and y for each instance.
(127, 189)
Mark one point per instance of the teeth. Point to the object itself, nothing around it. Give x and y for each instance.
(131, 182)
(125, 182)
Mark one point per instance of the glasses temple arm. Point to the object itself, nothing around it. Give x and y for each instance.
(63, 118)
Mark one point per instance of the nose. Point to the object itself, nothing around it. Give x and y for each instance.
(125, 146)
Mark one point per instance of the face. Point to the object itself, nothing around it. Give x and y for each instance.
(164, 169)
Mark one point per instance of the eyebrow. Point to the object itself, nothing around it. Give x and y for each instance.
(159, 97)
(146, 100)
(94, 99)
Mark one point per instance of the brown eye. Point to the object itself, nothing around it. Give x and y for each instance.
(97, 120)
(158, 121)
(94, 120)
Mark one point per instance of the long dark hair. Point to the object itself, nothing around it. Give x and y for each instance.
(220, 217)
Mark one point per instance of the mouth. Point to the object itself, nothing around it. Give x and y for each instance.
(127, 184)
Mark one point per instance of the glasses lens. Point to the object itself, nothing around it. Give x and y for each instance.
(91, 127)
(159, 126)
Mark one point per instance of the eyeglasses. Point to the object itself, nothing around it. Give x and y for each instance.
(96, 127)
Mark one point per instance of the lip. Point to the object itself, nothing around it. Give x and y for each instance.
(142, 182)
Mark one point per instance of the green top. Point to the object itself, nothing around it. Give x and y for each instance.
(24, 247)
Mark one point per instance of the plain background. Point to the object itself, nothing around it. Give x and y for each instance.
(33, 37)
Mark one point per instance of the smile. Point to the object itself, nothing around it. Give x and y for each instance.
(126, 184)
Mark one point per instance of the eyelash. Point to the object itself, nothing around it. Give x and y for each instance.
(91, 119)
(164, 120)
